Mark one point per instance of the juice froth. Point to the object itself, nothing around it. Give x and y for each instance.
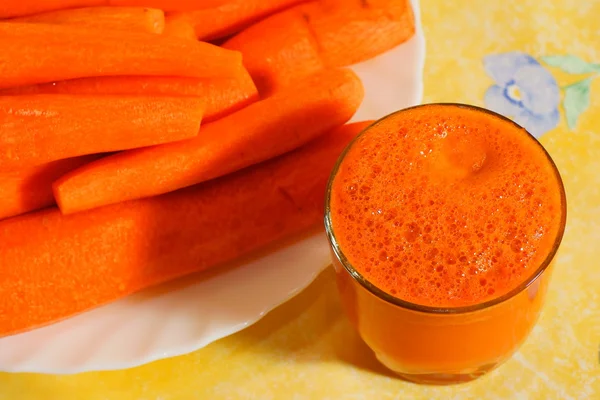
(446, 206)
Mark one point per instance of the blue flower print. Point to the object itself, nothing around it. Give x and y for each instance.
(524, 91)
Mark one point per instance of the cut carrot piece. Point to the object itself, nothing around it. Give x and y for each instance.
(132, 19)
(16, 8)
(294, 43)
(231, 17)
(352, 31)
(56, 266)
(179, 28)
(169, 5)
(221, 95)
(30, 189)
(278, 50)
(41, 128)
(256, 133)
(78, 52)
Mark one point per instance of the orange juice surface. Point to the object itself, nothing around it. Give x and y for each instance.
(445, 206)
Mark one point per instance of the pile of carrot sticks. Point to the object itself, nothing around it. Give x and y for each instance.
(144, 140)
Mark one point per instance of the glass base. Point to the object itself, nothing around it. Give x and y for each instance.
(437, 378)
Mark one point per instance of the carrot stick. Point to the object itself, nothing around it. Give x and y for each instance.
(256, 133)
(231, 17)
(77, 52)
(170, 5)
(352, 31)
(278, 50)
(335, 33)
(16, 8)
(221, 95)
(56, 266)
(132, 19)
(179, 28)
(30, 189)
(41, 128)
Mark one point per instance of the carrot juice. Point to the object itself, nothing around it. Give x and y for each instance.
(444, 220)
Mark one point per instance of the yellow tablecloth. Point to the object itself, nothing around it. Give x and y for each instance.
(536, 60)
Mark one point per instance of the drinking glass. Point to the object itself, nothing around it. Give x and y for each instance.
(437, 345)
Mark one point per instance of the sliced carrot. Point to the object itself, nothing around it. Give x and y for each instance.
(16, 8)
(56, 266)
(30, 189)
(179, 28)
(37, 129)
(334, 33)
(256, 133)
(352, 31)
(278, 50)
(36, 53)
(231, 17)
(169, 5)
(221, 95)
(132, 19)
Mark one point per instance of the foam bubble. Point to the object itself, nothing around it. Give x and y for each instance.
(431, 253)
(516, 246)
(390, 215)
(383, 255)
(412, 232)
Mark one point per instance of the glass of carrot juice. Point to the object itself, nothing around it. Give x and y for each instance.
(443, 221)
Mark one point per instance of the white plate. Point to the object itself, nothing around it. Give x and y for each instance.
(184, 317)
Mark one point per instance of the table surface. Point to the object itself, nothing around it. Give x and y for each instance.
(306, 349)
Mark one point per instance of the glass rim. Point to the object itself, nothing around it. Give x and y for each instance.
(365, 283)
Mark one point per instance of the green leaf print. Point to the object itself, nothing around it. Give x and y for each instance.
(577, 100)
(571, 64)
